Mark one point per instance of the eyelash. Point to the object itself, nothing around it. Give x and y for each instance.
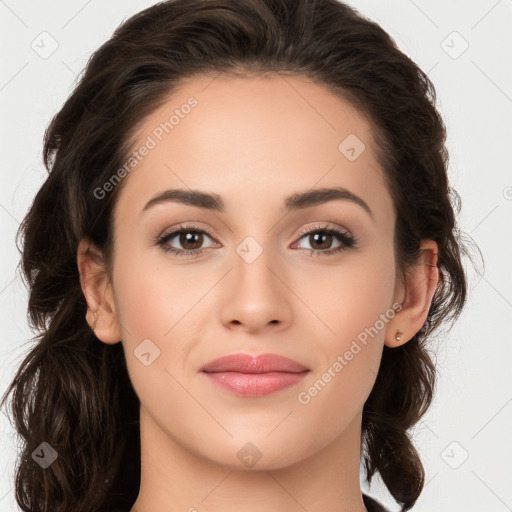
(346, 239)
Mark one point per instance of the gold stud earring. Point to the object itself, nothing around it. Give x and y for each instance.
(398, 335)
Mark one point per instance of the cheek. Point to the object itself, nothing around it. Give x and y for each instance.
(347, 299)
(341, 383)
(355, 306)
(149, 299)
(152, 309)
(161, 303)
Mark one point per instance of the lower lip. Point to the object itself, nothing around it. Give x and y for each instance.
(255, 384)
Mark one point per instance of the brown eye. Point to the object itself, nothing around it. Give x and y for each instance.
(321, 240)
(189, 241)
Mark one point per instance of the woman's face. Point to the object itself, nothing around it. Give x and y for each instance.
(254, 281)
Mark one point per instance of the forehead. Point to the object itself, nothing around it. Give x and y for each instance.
(259, 138)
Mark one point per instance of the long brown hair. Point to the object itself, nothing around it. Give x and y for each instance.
(72, 391)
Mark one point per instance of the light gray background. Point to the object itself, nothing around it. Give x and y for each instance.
(472, 413)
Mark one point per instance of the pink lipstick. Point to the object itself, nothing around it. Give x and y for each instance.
(246, 375)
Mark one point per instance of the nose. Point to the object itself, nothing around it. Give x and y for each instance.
(255, 296)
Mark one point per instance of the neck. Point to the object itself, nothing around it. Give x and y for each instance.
(174, 478)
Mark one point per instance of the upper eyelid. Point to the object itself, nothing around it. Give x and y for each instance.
(175, 231)
(317, 227)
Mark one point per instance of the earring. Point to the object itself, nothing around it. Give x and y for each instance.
(398, 334)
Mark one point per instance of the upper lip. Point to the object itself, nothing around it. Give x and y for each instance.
(246, 363)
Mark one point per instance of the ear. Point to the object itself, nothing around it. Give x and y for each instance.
(97, 289)
(415, 295)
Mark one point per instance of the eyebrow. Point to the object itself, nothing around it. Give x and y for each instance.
(296, 201)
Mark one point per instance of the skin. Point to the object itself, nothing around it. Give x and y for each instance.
(253, 141)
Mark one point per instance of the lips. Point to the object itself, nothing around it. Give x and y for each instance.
(249, 376)
(245, 363)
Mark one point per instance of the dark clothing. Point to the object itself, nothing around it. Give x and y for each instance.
(372, 505)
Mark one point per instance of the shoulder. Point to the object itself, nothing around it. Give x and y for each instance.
(372, 505)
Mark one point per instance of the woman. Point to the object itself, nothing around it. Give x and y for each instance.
(193, 353)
